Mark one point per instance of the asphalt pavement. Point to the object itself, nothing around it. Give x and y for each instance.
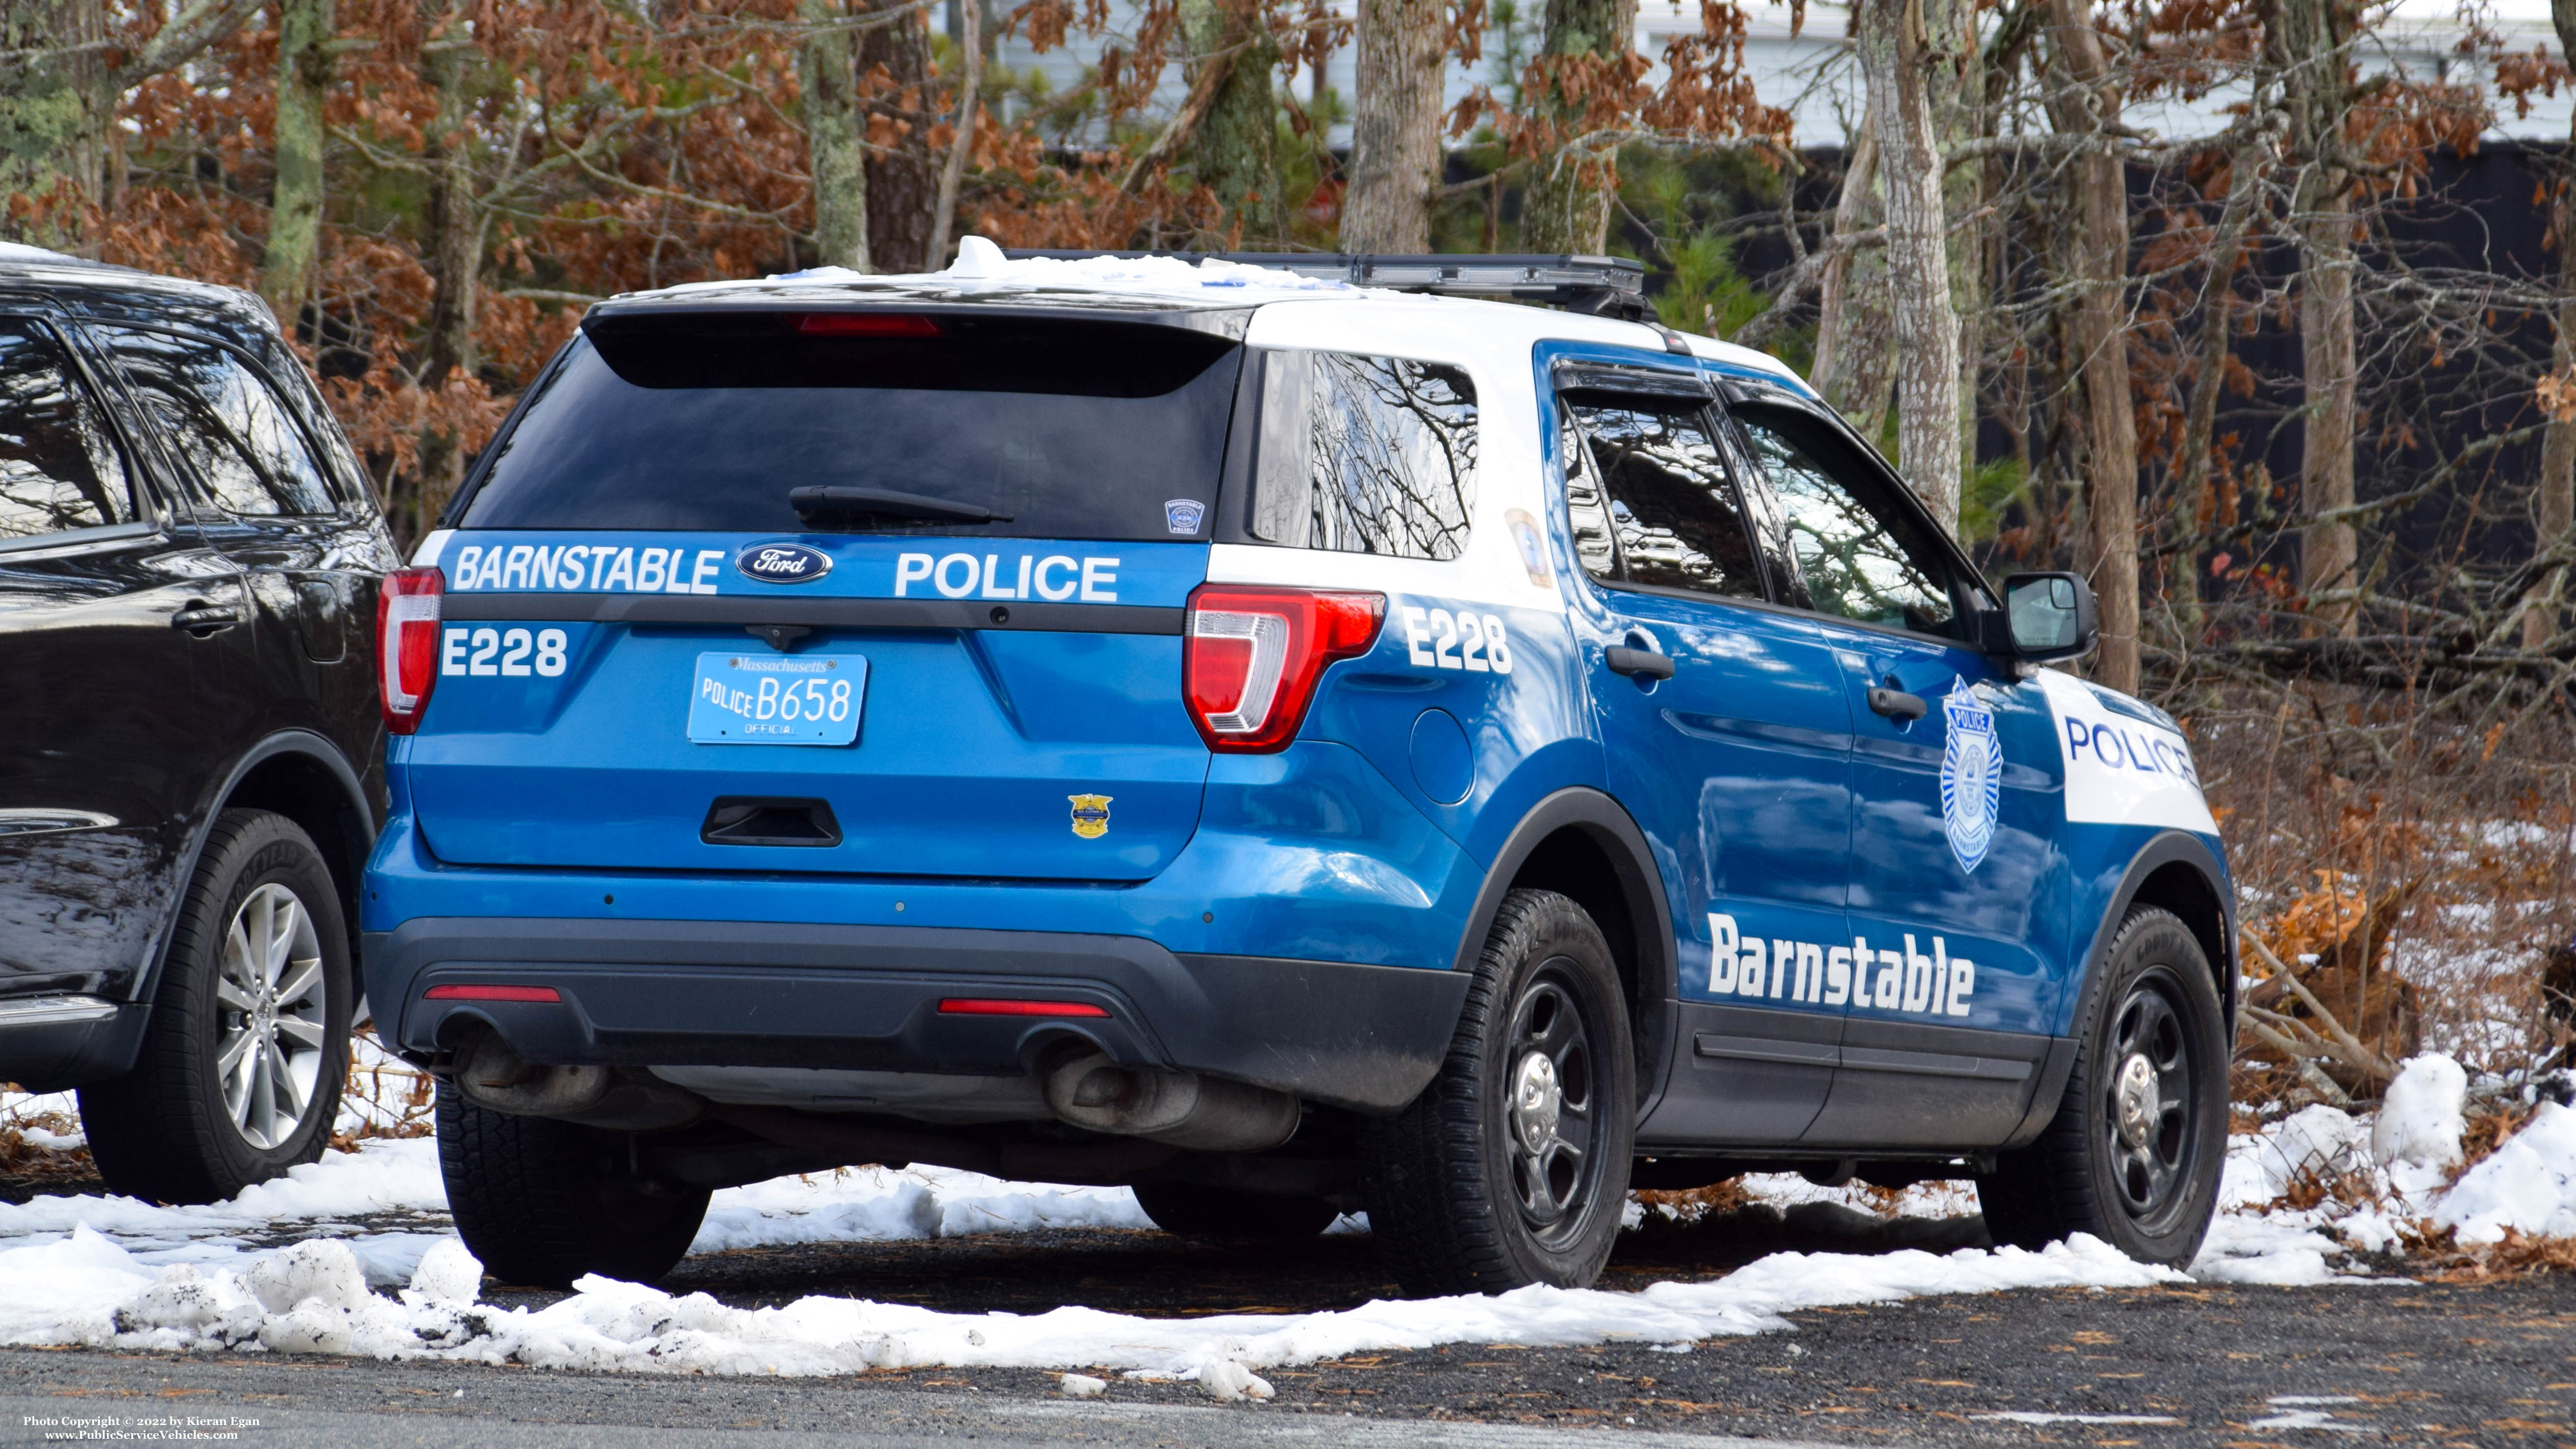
(2396, 1362)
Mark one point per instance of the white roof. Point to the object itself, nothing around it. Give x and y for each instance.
(1441, 324)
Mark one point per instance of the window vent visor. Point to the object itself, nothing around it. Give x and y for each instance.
(407, 644)
(1252, 658)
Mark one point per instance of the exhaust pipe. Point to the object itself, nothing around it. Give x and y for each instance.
(1180, 1109)
(492, 1074)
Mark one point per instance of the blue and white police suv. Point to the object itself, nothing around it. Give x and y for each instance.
(1287, 745)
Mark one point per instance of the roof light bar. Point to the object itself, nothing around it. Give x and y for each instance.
(1610, 286)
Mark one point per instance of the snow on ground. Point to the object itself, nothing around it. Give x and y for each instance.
(294, 1265)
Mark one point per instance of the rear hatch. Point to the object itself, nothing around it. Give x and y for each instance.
(814, 589)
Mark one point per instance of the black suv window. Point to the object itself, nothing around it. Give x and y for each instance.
(1860, 554)
(225, 421)
(1649, 498)
(59, 466)
(1365, 455)
(1085, 429)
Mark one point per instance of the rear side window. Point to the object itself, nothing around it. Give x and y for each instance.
(1650, 501)
(59, 466)
(227, 424)
(1064, 429)
(1364, 455)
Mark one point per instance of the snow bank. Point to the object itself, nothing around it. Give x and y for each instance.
(2419, 1120)
(876, 1204)
(2528, 1184)
(313, 1297)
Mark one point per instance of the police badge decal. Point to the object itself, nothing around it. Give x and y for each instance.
(1972, 769)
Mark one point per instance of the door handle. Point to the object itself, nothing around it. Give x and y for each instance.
(1897, 704)
(204, 619)
(1624, 660)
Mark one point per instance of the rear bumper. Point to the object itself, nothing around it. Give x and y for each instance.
(54, 1043)
(714, 993)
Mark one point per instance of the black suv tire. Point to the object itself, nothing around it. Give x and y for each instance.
(542, 1202)
(252, 1012)
(2134, 1153)
(1192, 1210)
(1477, 1186)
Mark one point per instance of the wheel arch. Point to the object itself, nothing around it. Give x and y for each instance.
(1582, 844)
(304, 777)
(2176, 871)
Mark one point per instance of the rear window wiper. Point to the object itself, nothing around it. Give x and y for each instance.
(816, 503)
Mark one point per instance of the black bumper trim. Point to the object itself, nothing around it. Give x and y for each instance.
(703, 993)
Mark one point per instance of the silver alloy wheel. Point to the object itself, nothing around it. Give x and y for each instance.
(269, 1039)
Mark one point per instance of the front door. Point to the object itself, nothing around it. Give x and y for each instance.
(1958, 899)
(1727, 736)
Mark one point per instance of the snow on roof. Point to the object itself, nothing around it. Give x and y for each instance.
(16, 252)
(982, 270)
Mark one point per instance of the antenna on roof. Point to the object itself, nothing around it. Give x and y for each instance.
(1603, 286)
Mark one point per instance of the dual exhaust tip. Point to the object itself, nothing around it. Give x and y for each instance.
(1082, 1086)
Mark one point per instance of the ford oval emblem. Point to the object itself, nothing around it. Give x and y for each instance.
(782, 563)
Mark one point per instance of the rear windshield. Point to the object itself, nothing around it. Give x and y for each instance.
(1079, 429)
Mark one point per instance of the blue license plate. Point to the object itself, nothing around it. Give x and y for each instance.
(777, 699)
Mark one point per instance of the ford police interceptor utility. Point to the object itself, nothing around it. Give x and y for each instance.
(1287, 745)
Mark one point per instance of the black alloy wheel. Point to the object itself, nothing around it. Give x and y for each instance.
(1512, 1167)
(1548, 1109)
(2134, 1154)
(2149, 1113)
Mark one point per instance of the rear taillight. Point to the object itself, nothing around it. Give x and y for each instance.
(407, 644)
(1252, 657)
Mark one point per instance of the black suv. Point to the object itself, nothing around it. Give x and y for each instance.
(191, 753)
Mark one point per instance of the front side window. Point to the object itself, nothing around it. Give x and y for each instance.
(1364, 455)
(59, 466)
(1650, 501)
(225, 422)
(1859, 554)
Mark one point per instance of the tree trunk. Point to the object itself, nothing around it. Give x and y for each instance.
(1395, 126)
(455, 267)
(55, 108)
(1567, 205)
(902, 179)
(1960, 113)
(2553, 511)
(2083, 101)
(1855, 349)
(2308, 43)
(827, 84)
(295, 207)
(1894, 61)
(970, 58)
(1235, 150)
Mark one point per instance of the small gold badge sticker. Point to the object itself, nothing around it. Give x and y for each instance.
(1090, 815)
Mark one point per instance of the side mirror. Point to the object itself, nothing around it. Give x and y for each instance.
(2049, 616)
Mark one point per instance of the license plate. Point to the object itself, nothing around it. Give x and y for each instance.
(777, 699)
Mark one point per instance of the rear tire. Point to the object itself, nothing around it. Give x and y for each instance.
(2140, 1137)
(1512, 1167)
(241, 1068)
(542, 1202)
(1194, 1211)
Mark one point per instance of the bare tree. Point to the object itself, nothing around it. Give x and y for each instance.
(2553, 511)
(295, 206)
(827, 79)
(2084, 102)
(1895, 61)
(1402, 47)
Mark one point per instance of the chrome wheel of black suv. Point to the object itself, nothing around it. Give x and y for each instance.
(1511, 1168)
(249, 1044)
(2134, 1154)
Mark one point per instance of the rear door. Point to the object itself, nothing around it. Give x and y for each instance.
(961, 658)
(116, 623)
(1727, 739)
